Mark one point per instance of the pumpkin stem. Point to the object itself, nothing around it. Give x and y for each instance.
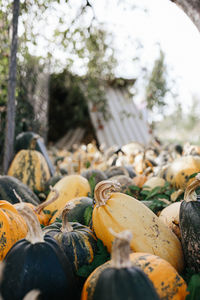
(121, 249)
(103, 189)
(66, 227)
(17, 196)
(33, 142)
(32, 295)
(190, 194)
(35, 234)
(40, 207)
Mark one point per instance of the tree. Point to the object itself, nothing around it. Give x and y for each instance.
(10, 116)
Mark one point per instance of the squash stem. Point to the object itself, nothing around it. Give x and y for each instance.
(35, 233)
(66, 227)
(40, 207)
(121, 249)
(103, 190)
(190, 194)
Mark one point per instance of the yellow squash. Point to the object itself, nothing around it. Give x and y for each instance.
(120, 212)
(69, 187)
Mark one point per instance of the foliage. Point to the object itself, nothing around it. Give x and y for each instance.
(194, 287)
(157, 85)
(100, 257)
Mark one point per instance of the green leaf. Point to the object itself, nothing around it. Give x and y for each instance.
(194, 288)
(100, 258)
(193, 175)
(46, 212)
(88, 215)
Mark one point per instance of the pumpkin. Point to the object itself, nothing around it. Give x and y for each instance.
(69, 187)
(115, 171)
(170, 217)
(120, 211)
(23, 141)
(12, 227)
(153, 182)
(119, 279)
(30, 167)
(77, 241)
(79, 211)
(178, 172)
(9, 184)
(41, 263)
(39, 210)
(166, 280)
(189, 226)
(140, 180)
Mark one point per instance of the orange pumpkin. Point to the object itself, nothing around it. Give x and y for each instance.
(12, 227)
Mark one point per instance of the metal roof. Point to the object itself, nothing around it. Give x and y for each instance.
(127, 123)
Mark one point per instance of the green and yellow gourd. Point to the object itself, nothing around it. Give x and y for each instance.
(77, 241)
(30, 167)
(120, 212)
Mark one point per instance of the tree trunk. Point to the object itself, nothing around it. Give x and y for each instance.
(10, 117)
(191, 8)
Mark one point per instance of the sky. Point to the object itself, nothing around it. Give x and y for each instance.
(161, 23)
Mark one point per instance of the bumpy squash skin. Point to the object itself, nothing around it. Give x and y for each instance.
(149, 233)
(69, 187)
(30, 167)
(41, 266)
(79, 245)
(190, 233)
(7, 186)
(12, 227)
(120, 284)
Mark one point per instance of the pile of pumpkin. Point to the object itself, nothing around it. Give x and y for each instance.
(95, 224)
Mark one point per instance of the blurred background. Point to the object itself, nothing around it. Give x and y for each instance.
(107, 70)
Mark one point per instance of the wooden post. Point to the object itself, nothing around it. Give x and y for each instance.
(10, 117)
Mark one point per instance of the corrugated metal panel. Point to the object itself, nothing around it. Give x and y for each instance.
(126, 124)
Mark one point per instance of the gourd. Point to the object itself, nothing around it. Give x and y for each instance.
(12, 227)
(23, 141)
(30, 167)
(178, 172)
(77, 241)
(95, 174)
(69, 187)
(170, 217)
(9, 184)
(119, 279)
(153, 182)
(189, 226)
(39, 210)
(120, 212)
(37, 262)
(166, 280)
(79, 211)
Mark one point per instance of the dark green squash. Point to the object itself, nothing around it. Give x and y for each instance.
(37, 262)
(119, 279)
(189, 222)
(23, 141)
(94, 174)
(81, 212)
(9, 184)
(77, 241)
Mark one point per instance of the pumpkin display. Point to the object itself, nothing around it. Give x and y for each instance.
(119, 279)
(41, 263)
(178, 172)
(69, 187)
(23, 141)
(120, 211)
(190, 224)
(12, 227)
(170, 216)
(9, 184)
(77, 241)
(30, 167)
